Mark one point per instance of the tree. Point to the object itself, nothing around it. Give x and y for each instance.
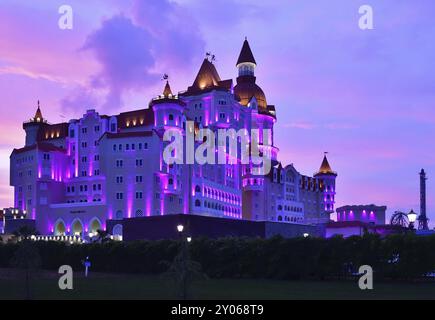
(25, 233)
(102, 236)
(27, 258)
(183, 271)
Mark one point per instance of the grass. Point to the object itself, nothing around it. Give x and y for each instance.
(110, 286)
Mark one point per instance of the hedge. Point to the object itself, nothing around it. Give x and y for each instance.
(405, 256)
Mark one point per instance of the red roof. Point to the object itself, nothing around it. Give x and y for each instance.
(41, 146)
(53, 131)
(137, 118)
(131, 134)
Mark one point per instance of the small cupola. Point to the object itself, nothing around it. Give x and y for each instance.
(38, 115)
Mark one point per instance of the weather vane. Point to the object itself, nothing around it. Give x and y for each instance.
(210, 57)
(165, 76)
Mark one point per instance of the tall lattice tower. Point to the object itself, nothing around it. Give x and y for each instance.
(422, 219)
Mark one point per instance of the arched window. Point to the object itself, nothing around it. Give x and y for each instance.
(197, 189)
(279, 218)
(280, 208)
(171, 181)
(59, 229)
(117, 231)
(197, 203)
(94, 225)
(139, 213)
(77, 228)
(171, 117)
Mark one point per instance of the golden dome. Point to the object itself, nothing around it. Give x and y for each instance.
(245, 90)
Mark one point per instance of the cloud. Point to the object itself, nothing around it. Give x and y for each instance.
(79, 98)
(178, 41)
(14, 70)
(134, 49)
(311, 125)
(300, 125)
(124, 51)
(228, 14)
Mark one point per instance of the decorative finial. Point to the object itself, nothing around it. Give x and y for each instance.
(210, 57)
(165, 76)
(246, 38)
(325, 153)
(38, 103)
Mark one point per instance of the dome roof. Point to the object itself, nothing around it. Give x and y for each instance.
(245, 90)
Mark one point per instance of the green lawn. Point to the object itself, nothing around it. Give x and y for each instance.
(102, 286)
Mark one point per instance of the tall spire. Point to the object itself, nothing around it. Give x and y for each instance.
(422, 219)
(167, 91)
(246, 55)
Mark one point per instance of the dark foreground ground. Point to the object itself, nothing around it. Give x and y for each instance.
(109, 286)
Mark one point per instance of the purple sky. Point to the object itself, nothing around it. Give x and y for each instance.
(367, 97)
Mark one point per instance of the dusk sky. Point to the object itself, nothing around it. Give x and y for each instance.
(365, 96)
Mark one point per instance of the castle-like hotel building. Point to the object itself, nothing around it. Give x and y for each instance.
(73, 177)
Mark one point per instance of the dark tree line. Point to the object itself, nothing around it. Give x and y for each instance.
(403, 256)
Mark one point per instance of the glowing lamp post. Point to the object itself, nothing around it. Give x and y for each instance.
(180, 228)
(412, 217)
(87, 265)
(183, 248)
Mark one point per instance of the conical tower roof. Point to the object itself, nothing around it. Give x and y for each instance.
(325, 168)
(38, 115)
(167, 91)
(207, 76)
(246, 54)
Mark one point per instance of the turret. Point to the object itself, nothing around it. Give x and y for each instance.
(246, 62)
(33, 126)
(327, 179)
(168, 109)
(246, 87)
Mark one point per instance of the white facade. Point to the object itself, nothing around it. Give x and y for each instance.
(72, 177)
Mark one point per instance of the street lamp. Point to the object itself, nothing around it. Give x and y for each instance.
(180, 228)
(189, 239)
(412, 217)
(306, 235)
